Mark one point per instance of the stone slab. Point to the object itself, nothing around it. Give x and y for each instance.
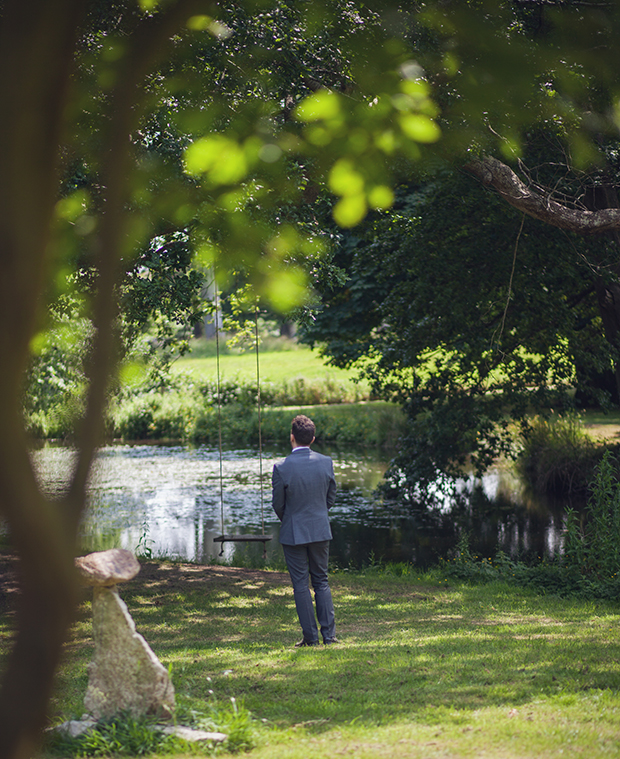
(107, 568)
(193, 735)
(75, 728)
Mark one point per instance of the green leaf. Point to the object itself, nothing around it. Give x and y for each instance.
(220, 157)
(381, 197)
(419, 128)
(321, 105)
(199, 23)
(286, 289)
(73, 206)
(344, 179)
(350, 210)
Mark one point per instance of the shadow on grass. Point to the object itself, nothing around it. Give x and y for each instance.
(406, 649)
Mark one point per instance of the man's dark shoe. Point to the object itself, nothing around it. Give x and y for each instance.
(304, 643)
(331, 641)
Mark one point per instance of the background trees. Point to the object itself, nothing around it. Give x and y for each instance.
(470, 315)
(474, 315)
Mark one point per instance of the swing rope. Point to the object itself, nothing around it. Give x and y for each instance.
(224, 538)
(260, 435)
(219, 408)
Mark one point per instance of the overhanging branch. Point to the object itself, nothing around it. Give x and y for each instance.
(494, 173)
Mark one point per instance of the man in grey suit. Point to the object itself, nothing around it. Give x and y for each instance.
(304, 488)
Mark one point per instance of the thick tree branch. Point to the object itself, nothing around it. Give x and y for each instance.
(494, 173)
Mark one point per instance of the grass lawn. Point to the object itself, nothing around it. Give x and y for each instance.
(600, 425)
(275, 366)
(424, 668)
(282, 365)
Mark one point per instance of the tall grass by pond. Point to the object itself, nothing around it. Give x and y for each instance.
(558, 456)
(189, 417)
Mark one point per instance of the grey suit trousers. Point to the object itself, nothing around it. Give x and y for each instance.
(301, 561)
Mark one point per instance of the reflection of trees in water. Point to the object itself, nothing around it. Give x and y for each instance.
(422, 534)
(524, 531)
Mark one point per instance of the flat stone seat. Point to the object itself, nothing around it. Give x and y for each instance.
(76, 728)
(103, 569)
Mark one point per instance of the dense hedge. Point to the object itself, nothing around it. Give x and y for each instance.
(187, 411)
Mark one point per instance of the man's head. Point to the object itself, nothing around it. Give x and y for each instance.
(303, 430)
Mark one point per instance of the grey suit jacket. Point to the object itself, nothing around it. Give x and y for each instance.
(303, 489)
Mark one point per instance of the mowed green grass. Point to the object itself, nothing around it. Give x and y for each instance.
(425, 668)
(274, 366)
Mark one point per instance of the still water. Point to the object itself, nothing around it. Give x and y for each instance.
(165, 500)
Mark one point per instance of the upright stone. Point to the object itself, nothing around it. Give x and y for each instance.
(124, 674)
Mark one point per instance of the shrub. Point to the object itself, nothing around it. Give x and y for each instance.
(121, 735)
(592, 544)
(291, 392)
(354, 424)
(155, 416)
(124, 735)
(589, 566)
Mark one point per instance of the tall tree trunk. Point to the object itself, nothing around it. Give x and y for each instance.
(37, 43)
(37, 49)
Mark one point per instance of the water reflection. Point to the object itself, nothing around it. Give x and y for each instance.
(166, 499)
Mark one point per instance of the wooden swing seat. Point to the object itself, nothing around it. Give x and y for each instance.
(242, 538)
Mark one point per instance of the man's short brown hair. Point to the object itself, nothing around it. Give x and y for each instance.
(303, 429)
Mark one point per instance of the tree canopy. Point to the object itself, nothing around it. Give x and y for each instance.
(469, 314)
(475, 316)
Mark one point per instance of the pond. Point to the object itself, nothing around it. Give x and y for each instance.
(165, 500)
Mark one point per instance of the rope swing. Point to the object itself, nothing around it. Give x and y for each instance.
(237, 538)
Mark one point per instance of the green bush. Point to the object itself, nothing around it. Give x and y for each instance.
(56, 422)
(592, 544)
(292, 392)
(361, 424)
(155, 416)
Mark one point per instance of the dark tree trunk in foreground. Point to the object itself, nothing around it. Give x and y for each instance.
(37, 43)
(37, 54)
